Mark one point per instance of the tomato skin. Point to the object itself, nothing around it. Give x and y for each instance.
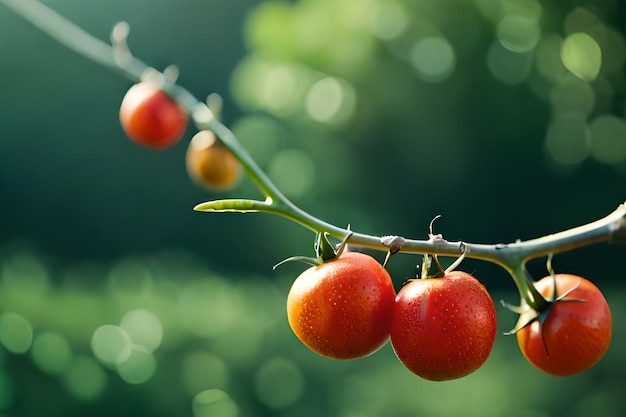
(209, 163)
(443, 328)
(577, 334)
(342, 308)
(151, 118)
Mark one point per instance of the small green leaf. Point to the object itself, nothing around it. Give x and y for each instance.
(234, 206)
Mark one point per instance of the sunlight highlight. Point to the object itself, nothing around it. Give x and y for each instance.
(582, 56)
(433, 58)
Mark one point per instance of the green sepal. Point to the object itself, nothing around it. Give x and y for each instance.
(439, 272)
(540, 310)
(431, 267)
(304, 259)
(324, 249)
(527, 315)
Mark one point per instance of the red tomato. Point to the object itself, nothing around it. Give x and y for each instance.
(209, 163)
(443, 328)
(341, 309)
(151, 118)
(576, 334)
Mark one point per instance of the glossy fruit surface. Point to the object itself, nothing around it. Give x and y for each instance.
(575, 333)
(443, 328)
(209, 163)
(341, 309)
(151, 118)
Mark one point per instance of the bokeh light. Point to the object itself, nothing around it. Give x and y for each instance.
(508, 66)
(330, 100)
(547, 57)
(568, 139)
(260, 135)
(130, 275)
(518, 33)
(24, 269)
(111, 344)
(144, 328)
(580, 19)
(206, 309)
(292, 171)
(389, 19)
(608, 139)
(279, 383)
(433, 58)
(278, 87)
(51, 352)
(85, 379)
(613, 41)
(138, 367)
(214, 402)
(572, 95)
(582, 56)
(16, 333)
(270, 28)
(202, 370)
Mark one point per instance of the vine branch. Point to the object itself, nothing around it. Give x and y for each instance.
(511, 256)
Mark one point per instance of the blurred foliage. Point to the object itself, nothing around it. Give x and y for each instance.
(166, 335)
(507, 117)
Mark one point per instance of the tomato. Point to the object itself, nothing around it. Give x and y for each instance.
(443, 328)
(209, 163)
(341, 309)
(575, 333)
(151, 118)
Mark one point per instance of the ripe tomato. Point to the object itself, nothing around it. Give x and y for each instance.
(341, 309)
(443, 328)
(151, 118)
(575, 333)
(209, 163)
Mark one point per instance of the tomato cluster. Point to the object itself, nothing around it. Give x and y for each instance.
(440, 328)
(346, 308)
(151, 118)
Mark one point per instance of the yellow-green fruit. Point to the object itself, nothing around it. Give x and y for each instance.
(210, 163)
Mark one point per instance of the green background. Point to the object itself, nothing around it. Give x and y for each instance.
(505, 117)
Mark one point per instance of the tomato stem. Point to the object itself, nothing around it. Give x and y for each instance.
(512, 256)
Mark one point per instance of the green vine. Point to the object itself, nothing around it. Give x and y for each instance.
(512, 256)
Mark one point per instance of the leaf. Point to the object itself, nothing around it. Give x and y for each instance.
(235, 206)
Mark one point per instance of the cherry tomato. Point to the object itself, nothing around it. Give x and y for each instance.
(209, 163)
(341, 309)
(575, 333)
(151, 118)
(443, 328)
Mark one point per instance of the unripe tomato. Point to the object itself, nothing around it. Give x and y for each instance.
(575, 333)
(443, 328)
(151, 118)
(341, 309)
(209, 163)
